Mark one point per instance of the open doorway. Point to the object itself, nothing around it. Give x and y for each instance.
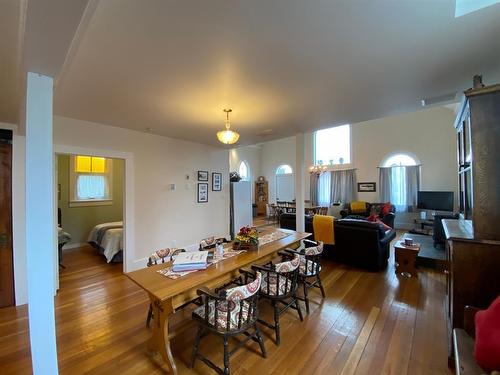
(90, 213)
(285, 184)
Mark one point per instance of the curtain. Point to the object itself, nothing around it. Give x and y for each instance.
(412, 186)
(384, 184)
(343, 186)
(400, 185)
(324, 183)
(313, 188)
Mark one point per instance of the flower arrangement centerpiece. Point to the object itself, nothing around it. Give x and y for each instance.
(246, 239)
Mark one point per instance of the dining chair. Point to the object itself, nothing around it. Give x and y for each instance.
(310, 253)
(228, 313)
(160, 256)
(279, 286)
(210, 242)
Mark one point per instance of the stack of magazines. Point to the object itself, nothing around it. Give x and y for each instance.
(190, 261)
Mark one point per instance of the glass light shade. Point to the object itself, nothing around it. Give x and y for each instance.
(228, 137)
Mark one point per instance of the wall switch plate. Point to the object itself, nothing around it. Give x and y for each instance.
(187, 177)
(172, 187)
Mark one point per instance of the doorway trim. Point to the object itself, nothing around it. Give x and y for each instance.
(128, 194)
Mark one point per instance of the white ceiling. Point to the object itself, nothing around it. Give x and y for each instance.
(285, 65)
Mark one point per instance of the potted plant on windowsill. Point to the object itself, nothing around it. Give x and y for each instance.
(246, 239)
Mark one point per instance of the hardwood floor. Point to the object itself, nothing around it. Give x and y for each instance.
(369, 323)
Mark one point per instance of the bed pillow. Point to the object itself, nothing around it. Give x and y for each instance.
(487, 346)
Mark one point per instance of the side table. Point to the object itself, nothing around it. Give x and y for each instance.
(405, 257)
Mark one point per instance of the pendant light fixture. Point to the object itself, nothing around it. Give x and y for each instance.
(228, 136)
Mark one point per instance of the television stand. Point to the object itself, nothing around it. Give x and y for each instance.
(423, 226)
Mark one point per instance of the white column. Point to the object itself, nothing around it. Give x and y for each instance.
(299, 181)
(40, 224)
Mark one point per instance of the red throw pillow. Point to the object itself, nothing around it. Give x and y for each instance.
(384, 225)
(386, 209)
(487, 347)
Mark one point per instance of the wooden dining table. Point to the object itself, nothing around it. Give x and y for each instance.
(167, 295)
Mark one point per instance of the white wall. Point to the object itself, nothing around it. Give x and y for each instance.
(274, 154)
(161, 216)
(252, 156)
(428, 134)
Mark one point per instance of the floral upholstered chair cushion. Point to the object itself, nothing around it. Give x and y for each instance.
(209, 241)
(274, 283)
(309, 267)
(162, 255)
(236, 300)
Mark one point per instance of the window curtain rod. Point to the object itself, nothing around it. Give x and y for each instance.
(416, 165)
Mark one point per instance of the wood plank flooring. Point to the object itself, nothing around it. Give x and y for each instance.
(369, 323)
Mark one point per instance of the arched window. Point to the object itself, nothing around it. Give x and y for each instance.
(399, 160)
(400, 180)
(284, 169)
(244, 171)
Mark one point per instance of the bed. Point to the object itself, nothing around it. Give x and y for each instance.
(107, 239)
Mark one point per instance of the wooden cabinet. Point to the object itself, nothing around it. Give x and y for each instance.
(478, 140)
(473, 246)
(472, 275)
(261, 195)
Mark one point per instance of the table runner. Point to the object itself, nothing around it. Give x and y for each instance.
(228, 253)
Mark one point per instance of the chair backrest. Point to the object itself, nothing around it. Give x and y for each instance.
(323, 211)
(280, 277)
(210, 242)
(311, 255)
(235, 309)
(163, 255)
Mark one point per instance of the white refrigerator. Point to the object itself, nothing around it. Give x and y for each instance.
(241, 206)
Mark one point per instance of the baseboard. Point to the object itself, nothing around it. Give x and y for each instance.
(70, 246)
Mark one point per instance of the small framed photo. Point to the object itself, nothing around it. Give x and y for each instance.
(366, 187)
(202, 175)
(202, 192)
(216, 181)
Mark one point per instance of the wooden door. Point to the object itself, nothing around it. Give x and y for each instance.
(6, 256)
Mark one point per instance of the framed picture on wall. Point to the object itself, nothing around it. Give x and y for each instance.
(202, 175)
(367, 187)
(216, 181)
(202, 192)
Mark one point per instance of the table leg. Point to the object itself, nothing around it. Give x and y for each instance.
(159, 341)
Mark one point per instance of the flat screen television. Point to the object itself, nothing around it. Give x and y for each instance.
(435, 200)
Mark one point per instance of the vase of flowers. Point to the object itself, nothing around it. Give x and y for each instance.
(246, 239)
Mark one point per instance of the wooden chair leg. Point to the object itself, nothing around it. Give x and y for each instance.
(321, 287)
(297, 305)
(306, 298)
(226, 355)
(196, 346)
(261, 341)
(277, 322)
(150, 316)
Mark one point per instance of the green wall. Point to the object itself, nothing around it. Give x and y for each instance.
(79, 221)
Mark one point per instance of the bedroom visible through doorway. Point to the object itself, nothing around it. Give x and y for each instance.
(90, 210)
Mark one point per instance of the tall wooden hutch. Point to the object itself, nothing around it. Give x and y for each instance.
(473, 242)
(261, 195)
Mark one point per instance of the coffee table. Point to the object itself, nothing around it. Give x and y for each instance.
(405, 257)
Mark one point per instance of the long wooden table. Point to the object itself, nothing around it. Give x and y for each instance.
(167, 295)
